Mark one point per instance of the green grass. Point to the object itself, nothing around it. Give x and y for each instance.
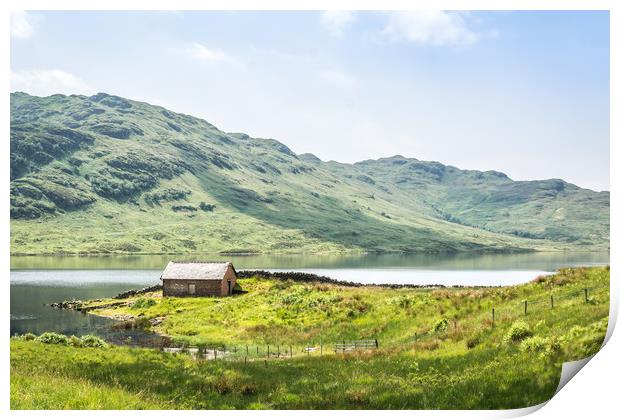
(467, 366)
(78, 186)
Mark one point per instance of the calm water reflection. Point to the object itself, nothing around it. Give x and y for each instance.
(545, 261)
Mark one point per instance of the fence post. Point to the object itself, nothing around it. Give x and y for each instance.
(551, 301)
(376, 343)
(278, 350)
(268, 351)
(526, 307)
(415, 336)
(586, 294)
(214, 353)
(291, 349)
(321, 348)
(247, 350)
(493, 316)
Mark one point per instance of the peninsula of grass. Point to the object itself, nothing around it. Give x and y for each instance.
(438, 348)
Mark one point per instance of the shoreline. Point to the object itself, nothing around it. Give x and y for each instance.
(333, 253)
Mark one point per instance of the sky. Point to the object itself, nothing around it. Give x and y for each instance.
(525, 93)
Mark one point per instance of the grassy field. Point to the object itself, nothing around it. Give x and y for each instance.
(425, 360)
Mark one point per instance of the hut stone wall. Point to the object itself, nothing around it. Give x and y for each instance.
(202, 287)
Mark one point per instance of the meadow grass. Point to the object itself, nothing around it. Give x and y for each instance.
(470, 364)
(288, 312)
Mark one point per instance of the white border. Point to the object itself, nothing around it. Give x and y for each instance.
(593, 393)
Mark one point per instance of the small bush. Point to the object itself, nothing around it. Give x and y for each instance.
(441, 325)
(184, 208)
(518, 331)
(143, 303)
(28, 337)
(92, 341)
(52, 338)
(74, 341)
(206, 207)
(473, 341)
(403, 301)
(544, 346)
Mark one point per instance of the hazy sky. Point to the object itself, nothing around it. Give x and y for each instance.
(526, 93)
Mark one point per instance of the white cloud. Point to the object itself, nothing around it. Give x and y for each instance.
(45, 82)
(337, 78)
(432, 27)
(337, 21)
(21, 24)
(200, 52)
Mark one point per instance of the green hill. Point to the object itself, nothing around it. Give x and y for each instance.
(105, 174)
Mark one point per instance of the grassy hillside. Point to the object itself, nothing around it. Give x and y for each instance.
(424, 360)
(103, 174)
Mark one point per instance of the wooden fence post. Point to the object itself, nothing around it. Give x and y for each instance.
(215, 353)
(493, 316)
(291, 349)
(552, 302)
(376, 343)
(586, 294)
(278, 350)
(268, 351)
(526, 307)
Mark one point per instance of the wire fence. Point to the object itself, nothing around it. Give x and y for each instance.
(273, 352)
(248, 352)
(500, 313)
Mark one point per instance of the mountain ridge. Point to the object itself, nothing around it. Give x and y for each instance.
(82, 162)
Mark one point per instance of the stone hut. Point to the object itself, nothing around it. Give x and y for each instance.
(199, 278)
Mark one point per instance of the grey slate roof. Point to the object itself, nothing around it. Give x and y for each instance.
(176, 270)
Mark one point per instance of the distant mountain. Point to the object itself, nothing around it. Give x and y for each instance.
(105, 174)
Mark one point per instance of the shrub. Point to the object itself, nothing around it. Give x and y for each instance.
(52, 338)
(544, 346)
(93, 341)
(74, 341)
(168, 194)
(441, 325)
(143, 303)
(28, 337)
(206, 207)
(184, 208)
(518, 331)
(473, 341)
(403, 301)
